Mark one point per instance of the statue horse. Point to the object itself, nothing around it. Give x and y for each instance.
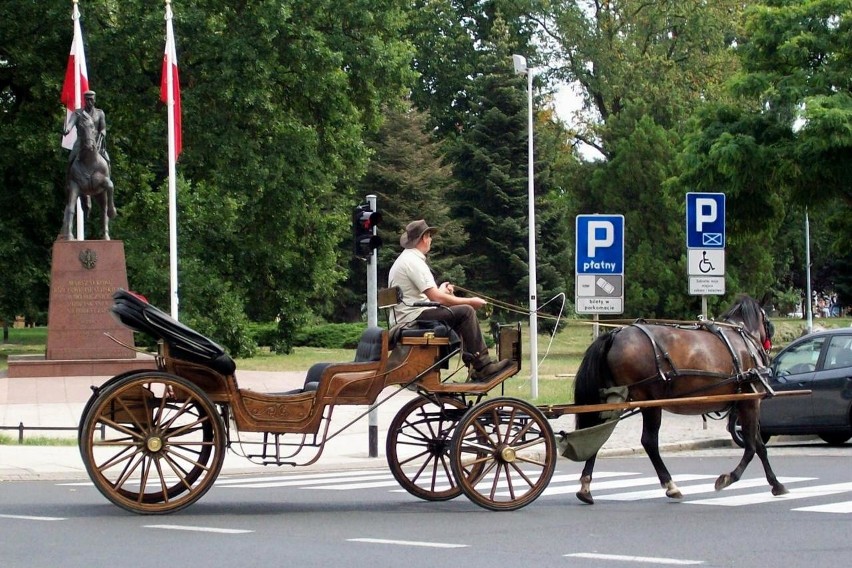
(87, 177)
(664, 361)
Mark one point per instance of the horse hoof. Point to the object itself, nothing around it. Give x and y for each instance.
(779, 490)
(674, 494)
(723, 481)
(586, 497)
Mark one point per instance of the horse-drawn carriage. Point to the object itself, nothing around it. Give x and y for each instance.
(154, 441)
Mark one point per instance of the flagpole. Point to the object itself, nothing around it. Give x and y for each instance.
(78, 102)
(173, 259)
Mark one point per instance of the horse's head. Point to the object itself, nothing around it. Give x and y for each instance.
(86, 132)
(748, 313)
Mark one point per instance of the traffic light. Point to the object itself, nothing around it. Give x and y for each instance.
(364, 221)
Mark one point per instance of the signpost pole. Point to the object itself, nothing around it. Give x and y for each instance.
(373, 321)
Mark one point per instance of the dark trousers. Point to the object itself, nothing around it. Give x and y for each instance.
(463, 320)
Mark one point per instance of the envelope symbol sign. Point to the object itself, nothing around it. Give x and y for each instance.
(710, 239)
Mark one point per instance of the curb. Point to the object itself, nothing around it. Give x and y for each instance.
(673, 447)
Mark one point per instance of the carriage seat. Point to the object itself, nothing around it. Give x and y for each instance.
(369, 349)
(422, 333)
(389, 298)
(133, 311)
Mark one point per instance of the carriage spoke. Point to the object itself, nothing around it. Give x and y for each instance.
(122, 456)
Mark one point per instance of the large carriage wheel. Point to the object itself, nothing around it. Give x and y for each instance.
(153, 443)
(503, 454)
(418, 447)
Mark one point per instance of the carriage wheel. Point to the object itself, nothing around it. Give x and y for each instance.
(503, 454)
(418, 447)
(153, 443)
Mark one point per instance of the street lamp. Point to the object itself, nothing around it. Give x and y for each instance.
(520, 63)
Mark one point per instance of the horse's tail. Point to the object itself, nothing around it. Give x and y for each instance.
(592, 375)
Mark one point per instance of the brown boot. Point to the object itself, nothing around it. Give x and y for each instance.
(484, 369)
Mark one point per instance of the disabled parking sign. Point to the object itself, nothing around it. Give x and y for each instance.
(705, 242)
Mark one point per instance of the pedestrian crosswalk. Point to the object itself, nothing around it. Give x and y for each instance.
(697, 489)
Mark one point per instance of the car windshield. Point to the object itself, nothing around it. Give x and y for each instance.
(801, 358)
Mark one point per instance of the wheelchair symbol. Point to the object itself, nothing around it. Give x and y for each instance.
(704, 265)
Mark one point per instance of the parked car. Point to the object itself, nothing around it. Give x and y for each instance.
(822, 363)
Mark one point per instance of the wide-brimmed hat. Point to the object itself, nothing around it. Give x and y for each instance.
(413, 233)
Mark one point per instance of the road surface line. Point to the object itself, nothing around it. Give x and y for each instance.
(643, 559)
(408, 543)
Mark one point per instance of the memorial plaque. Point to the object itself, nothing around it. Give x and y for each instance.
(84, 275)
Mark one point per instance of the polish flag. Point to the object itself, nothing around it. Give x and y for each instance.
(170, 86)
(76, 78)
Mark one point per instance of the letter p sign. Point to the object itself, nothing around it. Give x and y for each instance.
(600, 244)
(601, 235)
(705, 212)
(705, 220)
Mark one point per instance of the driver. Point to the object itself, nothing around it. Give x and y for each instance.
(413, 276)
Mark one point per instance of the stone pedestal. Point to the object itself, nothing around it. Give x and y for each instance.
(83, 277)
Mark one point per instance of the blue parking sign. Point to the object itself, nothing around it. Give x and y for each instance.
(600, 244)
(705, 220)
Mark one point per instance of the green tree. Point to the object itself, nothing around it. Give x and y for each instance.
(642, 69)
(277, 99)
(785, 143)
(491, 197)
(449, 37)
(411, 180)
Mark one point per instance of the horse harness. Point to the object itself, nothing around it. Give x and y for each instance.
(662, 359)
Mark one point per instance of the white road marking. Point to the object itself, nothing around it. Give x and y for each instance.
(643, 559)
(845, 507)
(300, 482)
(294, 477)
(766, 497)
(555, 479)
(695, 489)
(366, 485)
(408, 543)
(197, 529)
(618, 484)
(31, 518)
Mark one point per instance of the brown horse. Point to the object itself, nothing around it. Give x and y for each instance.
(663, 361)
(87, 177)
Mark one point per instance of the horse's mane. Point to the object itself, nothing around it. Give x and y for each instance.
(747, 311)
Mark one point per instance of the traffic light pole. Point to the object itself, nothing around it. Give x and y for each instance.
(373, 321)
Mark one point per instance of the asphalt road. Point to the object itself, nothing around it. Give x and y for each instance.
(362, 518)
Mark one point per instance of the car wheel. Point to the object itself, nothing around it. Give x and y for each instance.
(736, 430)
(835, 438)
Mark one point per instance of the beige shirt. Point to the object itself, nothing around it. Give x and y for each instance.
(413, 276)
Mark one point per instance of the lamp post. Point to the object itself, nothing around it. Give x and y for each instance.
(520, 63)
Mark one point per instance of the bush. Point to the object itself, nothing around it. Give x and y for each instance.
(330, 336)
(264, 334)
